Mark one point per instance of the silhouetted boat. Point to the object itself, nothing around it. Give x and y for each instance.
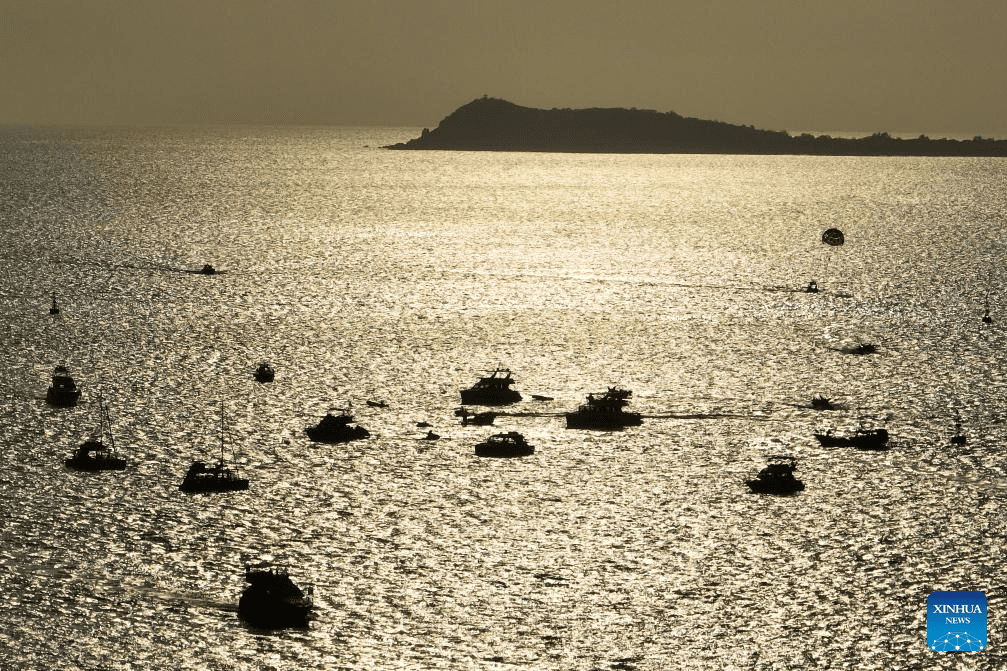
(431, 436)
(510, 444)
(207, 269)
(63, 390)
(604, 411)
(863, 348)
(264, 372)
(94, 454)
(819, 402)
(272, 600)
(812, 287)
(336, 429)
(476, 418)
(203, 479)
(862, 439)
(377, 404)
(777, 477)
(54, 310)
(539, 397)
(492, 390)
(959, 438)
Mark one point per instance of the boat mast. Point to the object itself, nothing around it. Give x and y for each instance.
(221, 432)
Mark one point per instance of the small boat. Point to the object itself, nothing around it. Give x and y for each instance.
(63, 390)
(272, 600)
(820, 402)
(959, 438)
(539, 397)
(94, 454)
(492, 390)
(510, 444)
(863, 348)
(777, 477)
(431, 436)
(476, 418)
(54, 310)
(207, 269)
(264, 372)
(203, 479)
(862, 439)
(812, 287)
(604, 411)
(336, 429)
(377, 404)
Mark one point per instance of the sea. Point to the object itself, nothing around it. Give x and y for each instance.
(365, 274)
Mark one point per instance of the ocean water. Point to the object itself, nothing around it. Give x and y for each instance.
(366, 274)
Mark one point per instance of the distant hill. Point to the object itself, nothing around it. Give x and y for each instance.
(492, 124)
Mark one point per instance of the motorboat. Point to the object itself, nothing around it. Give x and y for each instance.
(336, 429)
(493, 389)
(777, 477)
(510, 444)
(63, 390)
(604, 411)
(272, 600)
(264, 372)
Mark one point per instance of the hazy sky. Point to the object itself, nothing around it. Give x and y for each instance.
(930, 66)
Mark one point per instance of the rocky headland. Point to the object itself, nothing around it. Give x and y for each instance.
(492, 124)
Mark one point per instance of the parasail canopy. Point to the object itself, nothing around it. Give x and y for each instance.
(833, 237)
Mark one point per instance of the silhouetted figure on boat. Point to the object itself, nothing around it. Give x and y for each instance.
(812, 287)
(986, 317)
(54, 310)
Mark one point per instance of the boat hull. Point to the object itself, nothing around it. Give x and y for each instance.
(213, 485)
(62, 398)
(783, 487)
(93, 464)
(503, 452)
(875, 440)
(340, 435)
(490, 396)
(266, 612)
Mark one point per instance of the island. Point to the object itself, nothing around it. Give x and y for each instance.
(493, 124)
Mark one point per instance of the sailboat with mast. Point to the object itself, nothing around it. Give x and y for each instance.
(95, 454)
(203, 479)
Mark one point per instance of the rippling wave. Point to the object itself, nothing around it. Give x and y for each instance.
(362, 274)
